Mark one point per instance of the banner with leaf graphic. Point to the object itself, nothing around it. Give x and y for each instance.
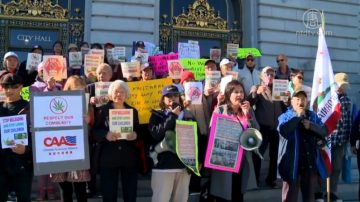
(59, 137)
(187, 144)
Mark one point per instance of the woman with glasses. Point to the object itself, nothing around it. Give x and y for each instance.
(296, 82)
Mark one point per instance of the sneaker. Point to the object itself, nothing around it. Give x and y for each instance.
(319, 197)
(334, 198)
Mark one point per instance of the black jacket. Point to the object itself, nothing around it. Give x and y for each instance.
(160, 122)
(121, 152)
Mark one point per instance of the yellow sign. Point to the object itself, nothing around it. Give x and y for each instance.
(196, 66)
(145, 96)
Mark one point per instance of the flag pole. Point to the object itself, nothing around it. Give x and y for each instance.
(328, 191)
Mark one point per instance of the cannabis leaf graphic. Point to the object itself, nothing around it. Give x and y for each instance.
(59, 106)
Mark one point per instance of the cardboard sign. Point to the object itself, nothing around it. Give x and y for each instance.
(145, 96)
(33, 60)
(243, 52)
(175, 69)
(91, 63)
(131, 69)
(160, 65)
(196, 66)
(194, 92)
(232, 50)
(188, 50)
(75, 60)
(59, 138)
(54, 67)
(13, 131)
(215, 54)
(121, 121)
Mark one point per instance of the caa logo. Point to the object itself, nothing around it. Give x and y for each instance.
(64, 140)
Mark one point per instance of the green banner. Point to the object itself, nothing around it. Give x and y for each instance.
(187, 144)
(243, 52)
(196, 66)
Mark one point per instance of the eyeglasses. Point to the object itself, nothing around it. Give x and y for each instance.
(280, 60)
(300, 77)
(10, 86)
(248, 60)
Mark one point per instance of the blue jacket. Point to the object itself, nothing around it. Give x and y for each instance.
(292, 135)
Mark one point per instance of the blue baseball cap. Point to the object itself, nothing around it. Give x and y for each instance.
(170, 90)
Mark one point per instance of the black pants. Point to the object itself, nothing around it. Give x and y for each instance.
(67, 191)
(20, 182)
(110, 180)
(271, 137)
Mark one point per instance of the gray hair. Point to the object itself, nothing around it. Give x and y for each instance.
(116, 84)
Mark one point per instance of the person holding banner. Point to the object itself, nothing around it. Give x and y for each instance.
(302, 134)
(170, 178)
(43, 86)
(118, 150)
(267, 112)
(227, 186)
(16, 170)
(74, 179)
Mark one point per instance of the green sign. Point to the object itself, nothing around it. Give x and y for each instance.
(196, 66)
(243, 52)
(25, 93)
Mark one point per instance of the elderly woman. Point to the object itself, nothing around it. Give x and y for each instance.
(226, 186)
(118, 152)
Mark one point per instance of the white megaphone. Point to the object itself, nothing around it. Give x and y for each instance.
(167, 144)
(250, 139)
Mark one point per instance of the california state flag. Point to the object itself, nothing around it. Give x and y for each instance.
(324, 100)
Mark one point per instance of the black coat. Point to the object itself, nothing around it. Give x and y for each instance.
(121, 153)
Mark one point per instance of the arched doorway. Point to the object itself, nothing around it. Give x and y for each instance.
(212, 23)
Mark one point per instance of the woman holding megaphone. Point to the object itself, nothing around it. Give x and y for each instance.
(227, 186)
(170, 179)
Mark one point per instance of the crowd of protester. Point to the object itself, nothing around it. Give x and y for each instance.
(248, 98)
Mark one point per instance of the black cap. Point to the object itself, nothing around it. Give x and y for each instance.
(36, 47)
(10, 79)
(140, 44)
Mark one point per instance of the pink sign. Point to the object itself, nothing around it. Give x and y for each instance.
(224, 151)
(160, 65)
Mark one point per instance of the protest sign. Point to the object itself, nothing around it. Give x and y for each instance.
(188, 50)
(100, 52)
(224, 151)
(243, 52)
(160, 65)
(279, 89)
(224, 81)
(142, 57)
(13, 131)
(231, 50)
(25, 93)
(234, 74)
(54, 66)
(121, 121)
(59, 137)
(175, 69)
(212, 80)
(196, 66)
(91, 62)
(84, 50)
(145, 96)
(186, 144)
(215, 54)
(119, 54)
(101, 93)
(109, 56)
(75, 60)
(33, 60)
(194, 92)
(131, 69)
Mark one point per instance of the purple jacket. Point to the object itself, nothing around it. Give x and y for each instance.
(41, 86)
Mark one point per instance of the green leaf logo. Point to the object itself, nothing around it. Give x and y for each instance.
(58, 105)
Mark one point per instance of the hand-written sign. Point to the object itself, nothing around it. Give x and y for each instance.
(188, 50)
(243, 52)
(160, 65)
(196, 66)
(145, 96)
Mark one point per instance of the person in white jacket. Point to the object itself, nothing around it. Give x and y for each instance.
(249, 75)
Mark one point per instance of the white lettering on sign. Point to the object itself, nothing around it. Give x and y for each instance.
(22, 37)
